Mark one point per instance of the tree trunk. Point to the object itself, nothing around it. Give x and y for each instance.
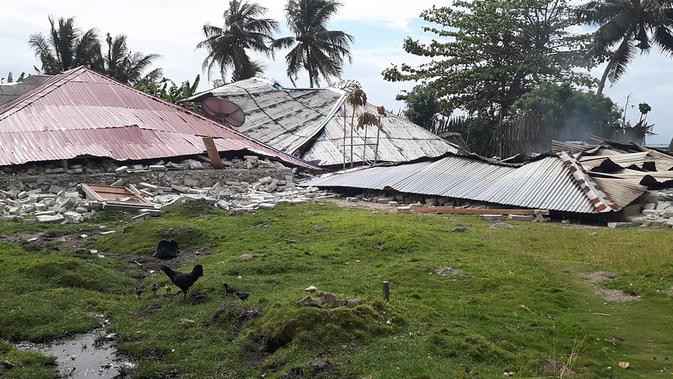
(309, 67)
(604, 78)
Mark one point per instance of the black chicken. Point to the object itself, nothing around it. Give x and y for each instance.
(182, 280)
(167, 250)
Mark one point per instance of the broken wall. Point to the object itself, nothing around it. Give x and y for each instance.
(190, 178)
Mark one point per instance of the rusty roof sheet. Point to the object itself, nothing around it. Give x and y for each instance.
(81, 112)
(555, 182)
(310, 123)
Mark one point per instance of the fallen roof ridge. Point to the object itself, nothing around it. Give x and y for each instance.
(598, 198)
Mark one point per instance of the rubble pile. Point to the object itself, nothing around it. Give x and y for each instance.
(659, 212)
(56, 206)
(234, 196)
(61, 205)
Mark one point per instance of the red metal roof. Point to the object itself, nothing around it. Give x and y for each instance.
(81, 112)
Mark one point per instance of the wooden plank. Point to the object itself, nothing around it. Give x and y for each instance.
(108, 193)
(91, 193)
(480, 211)
(213, 154)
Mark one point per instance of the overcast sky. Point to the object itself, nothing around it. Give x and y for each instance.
(172, 28)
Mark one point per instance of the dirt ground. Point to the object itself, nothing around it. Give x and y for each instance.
(609, 295)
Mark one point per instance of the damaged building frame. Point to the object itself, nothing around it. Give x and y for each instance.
(315, 124)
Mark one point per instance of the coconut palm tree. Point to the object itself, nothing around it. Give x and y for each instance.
(628, 25)
(123, 65)
(66, 47)
(244, 29)
(319, 51)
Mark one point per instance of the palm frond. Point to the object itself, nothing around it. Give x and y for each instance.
(621, 59)
(243, 29)
(664, 38)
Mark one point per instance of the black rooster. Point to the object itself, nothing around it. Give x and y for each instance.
(182, 280)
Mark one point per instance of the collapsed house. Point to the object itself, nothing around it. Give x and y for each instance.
(81, 127)
(316, 124)
(555, 182)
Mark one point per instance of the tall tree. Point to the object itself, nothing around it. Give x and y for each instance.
(244, 29)
(421, 106)
(66, 47)
(319, 51)
(123, 65)
(626, 26)
(490, 52)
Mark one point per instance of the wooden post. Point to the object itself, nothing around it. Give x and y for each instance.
(345, 131)
(386, 290)
(352, 141)
(378, 135)
(213, 154)
(364, 146)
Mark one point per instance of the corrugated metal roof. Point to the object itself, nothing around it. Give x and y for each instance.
(11, 91)
(551, 182)
(311, 122)
(81, 112)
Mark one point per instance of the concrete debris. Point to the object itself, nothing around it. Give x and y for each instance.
(71, 206)
(500, 225)
(447, 271)
(618, 225)
(308, 301)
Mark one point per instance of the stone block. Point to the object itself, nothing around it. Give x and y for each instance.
(48, 219)
(492, 217)
(619, 225)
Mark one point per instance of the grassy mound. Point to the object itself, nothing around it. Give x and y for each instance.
(318, 327)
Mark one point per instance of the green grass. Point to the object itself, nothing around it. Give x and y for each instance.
(518, 302)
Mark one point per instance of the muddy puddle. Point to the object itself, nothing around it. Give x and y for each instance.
(90, 355)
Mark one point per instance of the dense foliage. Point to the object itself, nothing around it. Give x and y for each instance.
(514, 69)
(422, 106)
(490, 52)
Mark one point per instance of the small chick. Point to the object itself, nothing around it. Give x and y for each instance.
(231, 291)
(242, 295)
(168, 288)
(155, 288)
(139, 290)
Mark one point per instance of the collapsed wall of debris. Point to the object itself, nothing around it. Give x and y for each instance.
(165, 173)
(51, 193)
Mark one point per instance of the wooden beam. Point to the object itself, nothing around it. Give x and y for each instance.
(479, 211)
(213, 154)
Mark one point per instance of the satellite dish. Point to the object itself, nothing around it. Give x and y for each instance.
(224, 110)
